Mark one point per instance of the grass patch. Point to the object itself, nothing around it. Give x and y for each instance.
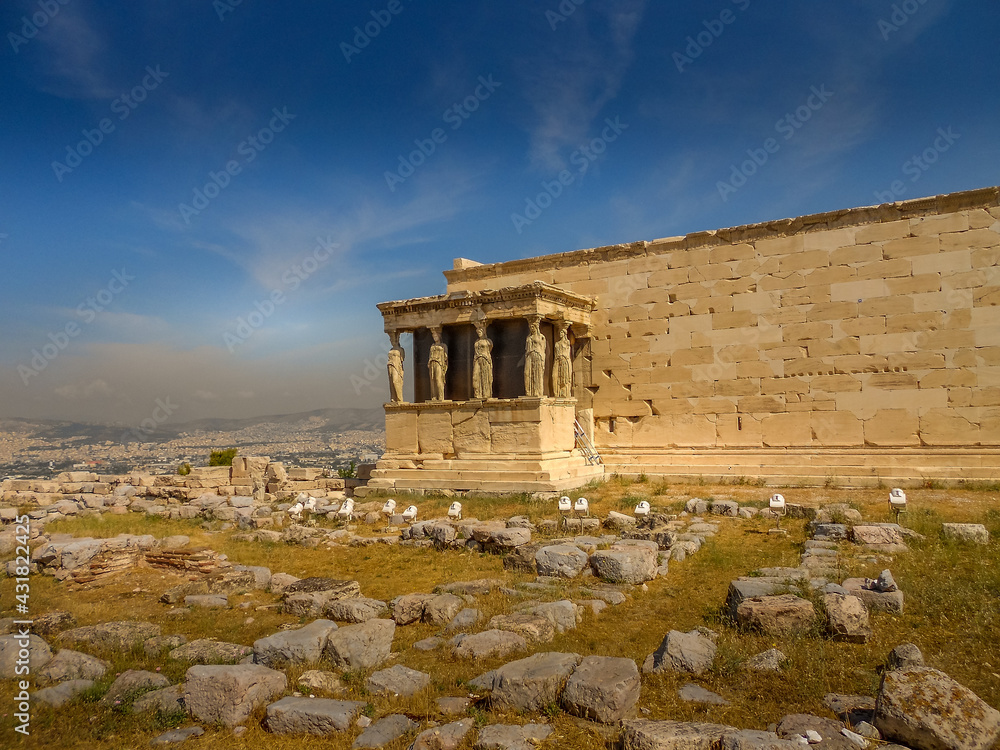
(952, 613)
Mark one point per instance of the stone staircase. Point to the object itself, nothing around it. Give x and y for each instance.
(488, 473)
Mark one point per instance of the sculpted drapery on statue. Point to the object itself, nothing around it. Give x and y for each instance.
(437, 365)
(395, 366)
(534, 359)
(562, 364)
(482, 364)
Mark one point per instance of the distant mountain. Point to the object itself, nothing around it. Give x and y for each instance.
(327, 420)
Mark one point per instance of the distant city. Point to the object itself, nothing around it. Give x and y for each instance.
(329, 439)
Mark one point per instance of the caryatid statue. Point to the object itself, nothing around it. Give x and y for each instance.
(482, 364)
(394, 365)
(562, 364)
(437, 365)
(534, 359)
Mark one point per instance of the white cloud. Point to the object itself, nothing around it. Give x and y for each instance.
(73, 56)
(579, 74)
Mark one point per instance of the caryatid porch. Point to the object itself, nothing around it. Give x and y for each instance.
(493, 404)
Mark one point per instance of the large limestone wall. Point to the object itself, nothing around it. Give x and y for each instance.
(864, 328)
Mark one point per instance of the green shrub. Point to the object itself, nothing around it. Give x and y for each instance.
(348, 472)
(222, 458)
(184, 469)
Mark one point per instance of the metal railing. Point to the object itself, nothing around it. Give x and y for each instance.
(586, 447)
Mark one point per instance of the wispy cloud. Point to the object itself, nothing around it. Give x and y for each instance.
(580, 73)
(73, 57)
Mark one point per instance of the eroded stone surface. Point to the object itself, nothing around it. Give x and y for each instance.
(682, 652)
(227, 695)
(533, 683)
(926, 709)
(602, 688)
(317, 716)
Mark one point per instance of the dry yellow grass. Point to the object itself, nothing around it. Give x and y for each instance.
(952, 607)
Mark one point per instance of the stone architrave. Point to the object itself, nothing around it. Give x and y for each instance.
(394, 365)
(534, 360)
(482, 364)
(437, 365)
(562, 365)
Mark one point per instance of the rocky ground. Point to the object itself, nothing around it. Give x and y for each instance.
(337, 667)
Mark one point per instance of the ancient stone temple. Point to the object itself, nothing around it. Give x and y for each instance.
(494, 391)
(859, 346)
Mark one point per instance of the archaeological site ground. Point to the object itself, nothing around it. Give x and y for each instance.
(573, 539)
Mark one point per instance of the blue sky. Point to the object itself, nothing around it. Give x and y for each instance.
(169, 169)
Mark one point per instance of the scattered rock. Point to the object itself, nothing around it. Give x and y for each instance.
(131, 684)
(227, 695)
(602, 688)
(39, 654)
(748, 588)
(966, 532)
(846, 618)
(905, 655)
(535, 628)
(875, 601)
(359, 609)
(453, 706)
(319, 681)
(447, 737)
(409, 608)
(361, 646)
(512, 737)
(796, 725)
(428, 644)
(465, 619)
(695, 694)
(318, 716)
(384, 731)
(398, 680)
(767, 661)
(489, 644)
(62, 693)
(112, 636)
(168, 700)
(564, 615)
(925, 709)
(560, 560)
(885, 583)
(72, 665)
(634, 565)
(681, 652)
(442, 609)
(209, 651)
(533, 683)
(52, 622)
(776, 615)
(153, 647)
(299, 646)
(643, 734)
(177, 735)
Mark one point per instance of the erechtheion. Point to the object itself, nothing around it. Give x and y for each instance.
(859, 346)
